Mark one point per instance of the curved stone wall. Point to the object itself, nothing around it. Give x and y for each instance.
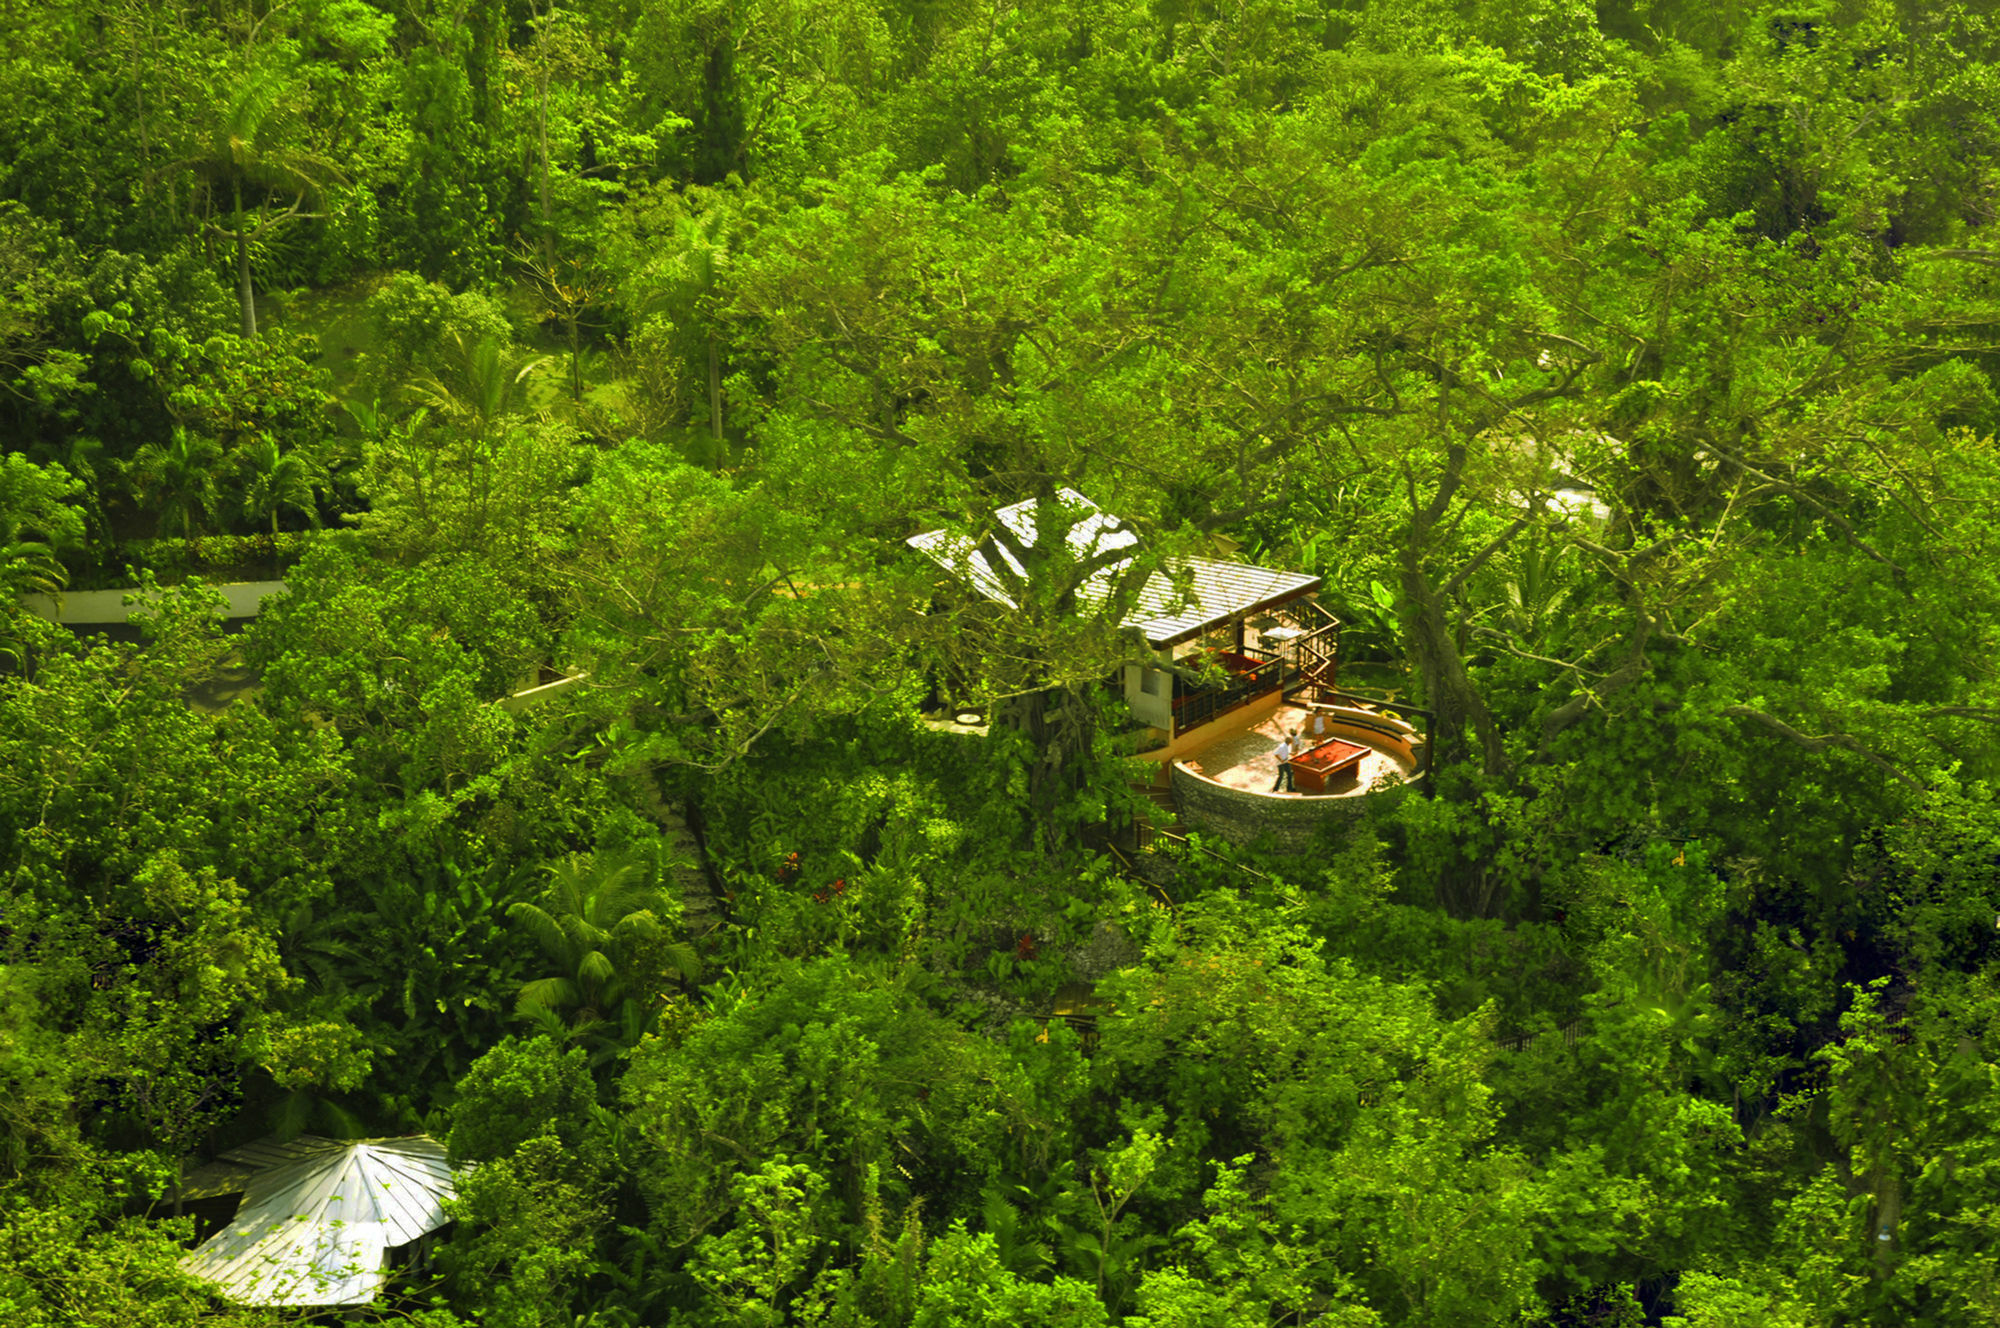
(1289, 821)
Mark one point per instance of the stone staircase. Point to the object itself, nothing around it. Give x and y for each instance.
(1162, 797)
(701, 911)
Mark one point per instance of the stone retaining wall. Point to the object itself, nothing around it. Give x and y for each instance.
(1291, 823)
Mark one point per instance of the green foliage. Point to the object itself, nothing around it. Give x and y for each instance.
(108, 767)
(71, 1266)
(366, 656)
(829, 1057)
(522, 1088)
(534, 1216)
(1626, 371)
(177, 480)
(599, 925)
(37, 521)
(156, 992)
(420, 956)
(966, 1286)
(749, 1271)
(274, 480)
(1388, 1168)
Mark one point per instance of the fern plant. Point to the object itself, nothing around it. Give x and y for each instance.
(600, 926)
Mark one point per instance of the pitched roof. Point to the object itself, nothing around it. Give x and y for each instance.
(1218, 592)
(1090, 535)
(1215, 591)
(319, 1217)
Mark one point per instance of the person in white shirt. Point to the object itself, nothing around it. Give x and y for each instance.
(1287, 745)
(1318, 725)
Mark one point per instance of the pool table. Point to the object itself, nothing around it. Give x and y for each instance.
(1331, 766)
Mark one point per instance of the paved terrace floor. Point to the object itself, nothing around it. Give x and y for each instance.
(1245, 761)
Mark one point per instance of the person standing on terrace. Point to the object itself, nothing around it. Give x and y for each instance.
(1287, 745)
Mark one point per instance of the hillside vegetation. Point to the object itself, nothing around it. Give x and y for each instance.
(1628, 373)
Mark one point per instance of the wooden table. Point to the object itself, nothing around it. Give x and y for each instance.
(1332, 765)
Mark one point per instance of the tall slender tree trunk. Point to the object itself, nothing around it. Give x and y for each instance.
(1059, 724)
(547, 202)
(244, 294)
(1448, 689)
(575, 357)
(715, 397)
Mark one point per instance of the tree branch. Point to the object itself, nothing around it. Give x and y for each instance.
(1812, 744)
(1479, 560)
(1570, 712)
(1984, 714)
(1984, 257)
(1840, 522)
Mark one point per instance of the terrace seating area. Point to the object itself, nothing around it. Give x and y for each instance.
(1245, 760)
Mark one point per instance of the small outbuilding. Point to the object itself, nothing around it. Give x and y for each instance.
(320, 1218)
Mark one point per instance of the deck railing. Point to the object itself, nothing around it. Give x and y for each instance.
(1197, 706)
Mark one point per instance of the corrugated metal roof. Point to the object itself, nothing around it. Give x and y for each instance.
(320, 1215)
(211, 1181)
(1215, 592)
(1090, 535)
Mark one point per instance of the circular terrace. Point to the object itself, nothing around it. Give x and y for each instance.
(1225, 787)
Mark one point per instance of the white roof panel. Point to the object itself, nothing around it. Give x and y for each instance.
(1090, 535)
(319, 1216)
(1215, 591)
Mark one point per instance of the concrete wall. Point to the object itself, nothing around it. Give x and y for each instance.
(1236, 721)
(1243, 816)
(1156, 707)
(523, 696)
(86, 607)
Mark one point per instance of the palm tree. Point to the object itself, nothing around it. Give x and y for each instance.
(474, 382)
(30, 567)
(274, 479)
(35, 520)
(600, 929)
(704, 255)
(474, 385)
(177, 480)
(254, 143)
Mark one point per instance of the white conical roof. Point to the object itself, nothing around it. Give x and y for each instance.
(319, 1217)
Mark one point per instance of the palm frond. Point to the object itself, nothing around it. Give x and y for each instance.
(643, 925)
(681, 957)
(544, 930)
(546, 994)
(596, 967)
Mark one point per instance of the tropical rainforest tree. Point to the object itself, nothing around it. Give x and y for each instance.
(1629, 372)
(177, 479)
(600, 924)
(258, 142)
(274, 480)
(37, 519)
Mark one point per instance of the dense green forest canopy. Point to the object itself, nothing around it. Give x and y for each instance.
(1628, 372)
